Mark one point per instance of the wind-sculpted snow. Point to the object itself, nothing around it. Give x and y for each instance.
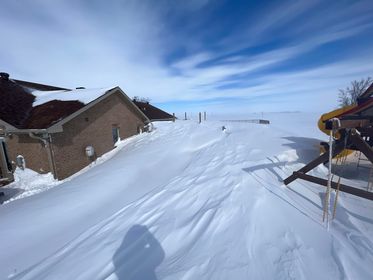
(190, 201)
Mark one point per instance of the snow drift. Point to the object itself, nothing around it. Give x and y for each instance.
(190, 201)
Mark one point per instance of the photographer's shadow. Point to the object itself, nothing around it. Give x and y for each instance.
(138, 256)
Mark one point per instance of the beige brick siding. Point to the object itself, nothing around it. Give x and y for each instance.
(92, 128)
(32, 150)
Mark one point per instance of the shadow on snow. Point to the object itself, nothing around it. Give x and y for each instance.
(138, 255)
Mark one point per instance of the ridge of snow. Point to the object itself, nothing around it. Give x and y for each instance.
(190, 201)
(28, 182)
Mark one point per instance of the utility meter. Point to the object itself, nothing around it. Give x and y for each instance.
(89, 151)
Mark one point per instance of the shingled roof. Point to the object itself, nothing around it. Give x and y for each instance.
(47, 114)
(27, 105)
(17, 105)
(15, 102)
(152, 112)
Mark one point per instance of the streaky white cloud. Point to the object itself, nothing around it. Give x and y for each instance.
(124, 43)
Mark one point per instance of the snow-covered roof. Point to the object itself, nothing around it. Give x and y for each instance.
(83, 95)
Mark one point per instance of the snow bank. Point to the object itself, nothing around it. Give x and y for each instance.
(189, 201)
(28, 182)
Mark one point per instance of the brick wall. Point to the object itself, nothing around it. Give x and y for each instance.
(92, 128)
(32, 150)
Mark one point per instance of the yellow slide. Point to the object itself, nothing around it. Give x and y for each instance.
(329, 115)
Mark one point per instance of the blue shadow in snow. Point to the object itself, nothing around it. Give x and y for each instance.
(138, 255)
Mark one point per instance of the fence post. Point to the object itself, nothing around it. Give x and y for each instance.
(200, 117)
(204, 116)
(185, 118)
(173, 117)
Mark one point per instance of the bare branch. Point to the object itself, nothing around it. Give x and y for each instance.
(350, 95)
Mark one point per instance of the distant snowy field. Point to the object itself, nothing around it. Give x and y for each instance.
(189, 201)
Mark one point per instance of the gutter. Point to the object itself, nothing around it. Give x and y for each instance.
(32, 130)
(46, 140)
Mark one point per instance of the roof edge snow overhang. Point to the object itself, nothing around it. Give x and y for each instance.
(38, 86)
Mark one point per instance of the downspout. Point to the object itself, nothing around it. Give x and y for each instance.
(46, 141)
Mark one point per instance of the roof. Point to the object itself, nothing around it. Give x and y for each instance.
(365, 102)
(24, 107)
(37, 86)
(15, 103)
(152, 112)
(51, 112)
(368, 92)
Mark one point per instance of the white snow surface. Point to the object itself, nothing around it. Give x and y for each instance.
(190, 201)
(83, 95)
(28, 182)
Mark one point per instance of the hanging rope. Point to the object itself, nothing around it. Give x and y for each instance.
(336, 124)
(343, 161)
(327, 194)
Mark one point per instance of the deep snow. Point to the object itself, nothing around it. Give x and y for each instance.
(83, 95)
(190, 201)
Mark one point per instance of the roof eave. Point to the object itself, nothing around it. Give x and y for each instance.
(146, 119)
(7, 125)
(57, 127)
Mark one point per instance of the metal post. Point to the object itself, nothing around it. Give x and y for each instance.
(200, 117)
(185, 118)
(204, 116)
(173, 117)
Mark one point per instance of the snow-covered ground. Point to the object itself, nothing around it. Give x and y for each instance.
(190, 201)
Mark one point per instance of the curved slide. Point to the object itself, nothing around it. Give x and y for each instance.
(328, 116)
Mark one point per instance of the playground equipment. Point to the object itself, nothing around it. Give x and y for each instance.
(351, 129)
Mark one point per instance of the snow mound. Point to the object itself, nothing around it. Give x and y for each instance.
(189, 201)
(26, 183)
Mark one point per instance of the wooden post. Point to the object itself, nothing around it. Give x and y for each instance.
(362, 145)
(173, 117)
(204, 116)
(200, 117)
(185, 118)
(334, 185)
(319, 160)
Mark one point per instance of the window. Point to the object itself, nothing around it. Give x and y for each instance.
(115, 132)
(4, 158)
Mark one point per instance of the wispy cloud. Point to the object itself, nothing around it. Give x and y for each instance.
(208, 53)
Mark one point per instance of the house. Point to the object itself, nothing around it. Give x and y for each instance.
(153, 113)
(60, 130)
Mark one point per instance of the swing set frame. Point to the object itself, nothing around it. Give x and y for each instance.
(352, 139)
(355, 130)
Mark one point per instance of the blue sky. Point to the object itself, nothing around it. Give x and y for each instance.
(218, 56)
